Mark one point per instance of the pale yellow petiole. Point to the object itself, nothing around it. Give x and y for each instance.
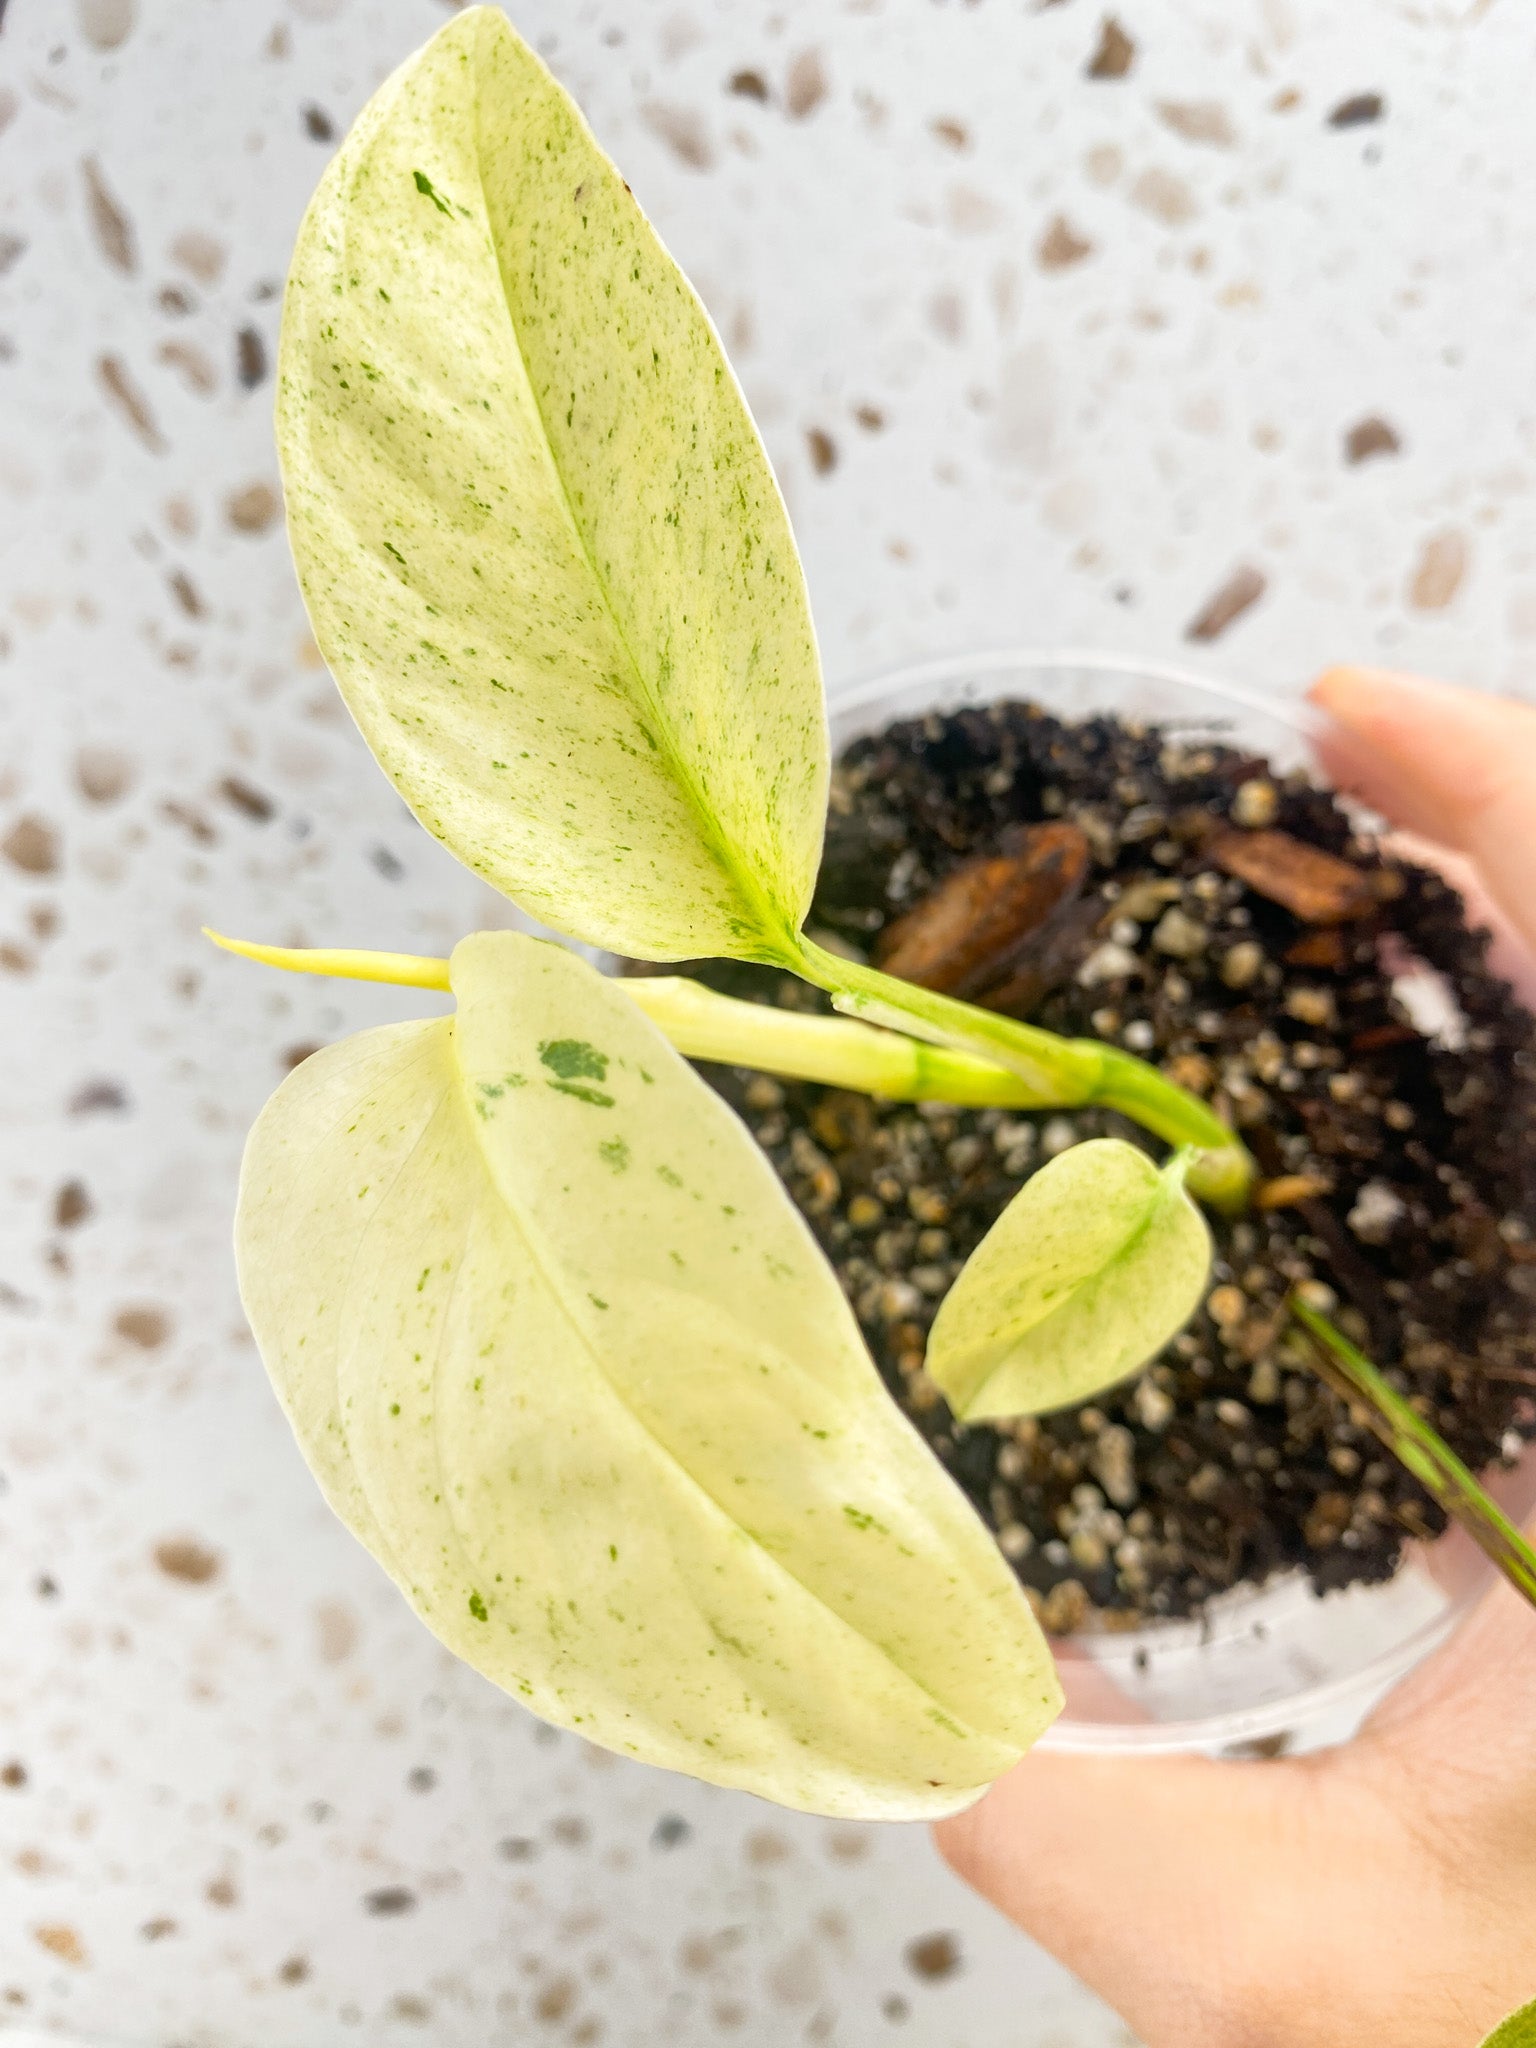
(707, 1026)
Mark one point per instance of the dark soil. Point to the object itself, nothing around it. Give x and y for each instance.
(1401, 1168)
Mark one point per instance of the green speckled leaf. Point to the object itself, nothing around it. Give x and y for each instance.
(1518, 2031)
(540, 542)
(1097, 1261)
(563, 1354)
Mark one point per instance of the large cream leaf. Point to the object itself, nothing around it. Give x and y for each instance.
(539, 539)
(1099, 1259)
(565, 1357)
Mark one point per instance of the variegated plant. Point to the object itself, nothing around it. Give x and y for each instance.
(556, 1343)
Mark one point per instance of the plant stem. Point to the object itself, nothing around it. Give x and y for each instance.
(707, 1026)
(1068, 1071)
(908, 1044)
(1420, 1448)
(832, 1050)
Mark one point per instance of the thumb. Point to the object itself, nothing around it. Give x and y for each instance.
(1454, 765)
(1150, 1879)
(1306, 1901)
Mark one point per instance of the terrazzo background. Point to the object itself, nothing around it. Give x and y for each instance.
(1043, 357)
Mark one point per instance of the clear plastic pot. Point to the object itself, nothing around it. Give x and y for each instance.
(1265, 1666)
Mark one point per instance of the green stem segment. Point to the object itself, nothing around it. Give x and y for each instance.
(1420, 1448)
(832, 1050)
(1069, 1072)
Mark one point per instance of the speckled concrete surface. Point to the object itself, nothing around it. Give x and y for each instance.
(1043, 356)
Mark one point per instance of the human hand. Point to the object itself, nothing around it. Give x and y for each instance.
(1382, 1892)
(1456, 774)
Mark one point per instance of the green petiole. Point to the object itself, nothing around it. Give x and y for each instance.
(835, 1050)
(1070, 1072)
(1420, 1448)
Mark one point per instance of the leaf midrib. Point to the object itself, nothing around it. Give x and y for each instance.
(767, 915)
(1166, 1191)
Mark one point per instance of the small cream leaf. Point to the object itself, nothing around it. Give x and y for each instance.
(1098, 1260)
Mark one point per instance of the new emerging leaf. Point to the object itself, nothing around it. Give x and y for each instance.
(1097, 1261)
(563, 1354)
(539, 539)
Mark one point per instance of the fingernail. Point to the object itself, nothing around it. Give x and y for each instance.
(1347, 680)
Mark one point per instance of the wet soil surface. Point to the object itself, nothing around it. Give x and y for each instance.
(1176, 898)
